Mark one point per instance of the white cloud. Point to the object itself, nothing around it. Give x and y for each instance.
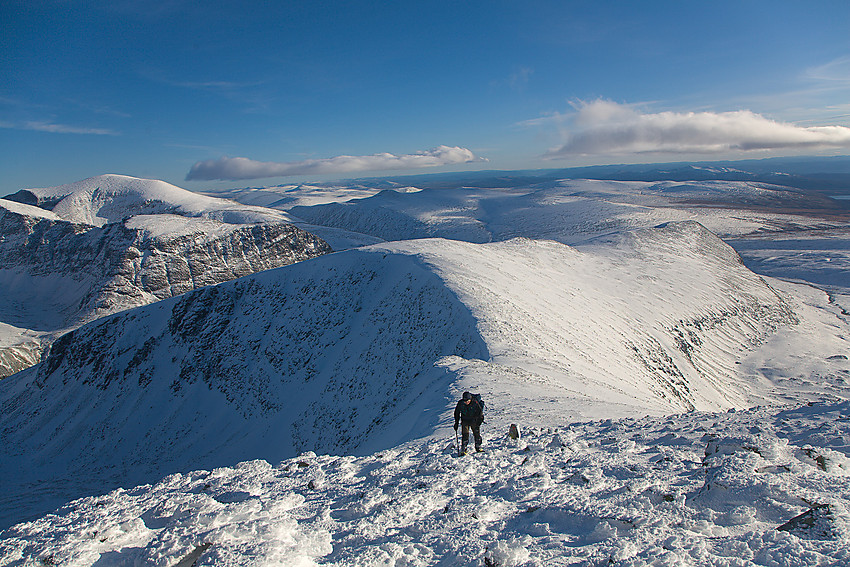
(243, 168)
(57, 128)
(605, 127)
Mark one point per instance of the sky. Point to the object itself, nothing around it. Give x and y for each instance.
(233, 94)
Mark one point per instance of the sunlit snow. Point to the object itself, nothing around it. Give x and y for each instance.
(676, 408)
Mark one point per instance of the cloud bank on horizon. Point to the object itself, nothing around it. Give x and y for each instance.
(605, 127)
(232, 169)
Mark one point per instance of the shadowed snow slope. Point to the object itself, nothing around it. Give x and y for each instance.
(362, 350)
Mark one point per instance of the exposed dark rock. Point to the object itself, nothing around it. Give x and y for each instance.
(815, 523)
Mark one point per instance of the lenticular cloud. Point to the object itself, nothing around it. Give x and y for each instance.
(604, 127)
(243, 168)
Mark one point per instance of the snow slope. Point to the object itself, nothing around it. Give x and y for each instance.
(359, 351)
(759, 487)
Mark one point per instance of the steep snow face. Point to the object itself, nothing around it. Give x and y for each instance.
(758, 487)
(364, 349)
(57, 274)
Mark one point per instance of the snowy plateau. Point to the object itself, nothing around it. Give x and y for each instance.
(675, 355)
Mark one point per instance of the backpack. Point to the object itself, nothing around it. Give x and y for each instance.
(477, 398)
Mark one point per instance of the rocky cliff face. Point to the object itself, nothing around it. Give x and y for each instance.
(25, 353)
(85, 272)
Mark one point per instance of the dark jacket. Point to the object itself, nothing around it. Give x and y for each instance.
(468, 413)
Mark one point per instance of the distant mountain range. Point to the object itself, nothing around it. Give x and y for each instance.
(829, 175)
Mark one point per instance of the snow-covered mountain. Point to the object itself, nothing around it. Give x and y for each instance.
(361, 350)
(105, 199)
(568, 211)
(333, 381)
(112, 242)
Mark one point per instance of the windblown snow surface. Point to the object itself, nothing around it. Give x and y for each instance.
(756, 487)
(305, 412)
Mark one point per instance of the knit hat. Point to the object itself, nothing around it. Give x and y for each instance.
(467, 396)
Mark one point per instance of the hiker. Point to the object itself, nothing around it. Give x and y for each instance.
(470, 414)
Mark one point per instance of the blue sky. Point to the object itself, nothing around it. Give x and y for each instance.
(261, 93)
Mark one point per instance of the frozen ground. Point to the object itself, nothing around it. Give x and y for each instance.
(756, 487)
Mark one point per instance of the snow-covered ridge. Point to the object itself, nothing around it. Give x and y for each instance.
(365, 349)
(758, 487)
(28, 210)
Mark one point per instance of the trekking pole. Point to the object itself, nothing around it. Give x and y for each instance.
(457, 443)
